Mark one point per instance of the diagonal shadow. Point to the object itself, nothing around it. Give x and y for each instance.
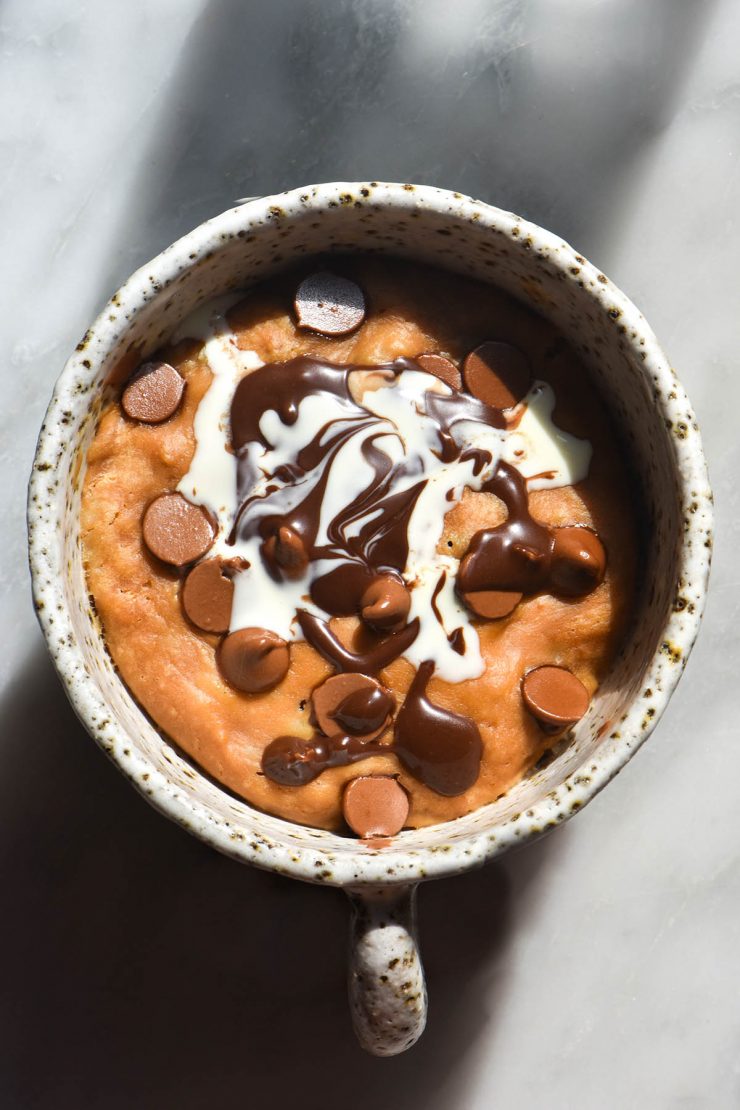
(545, 109)
(154, 972)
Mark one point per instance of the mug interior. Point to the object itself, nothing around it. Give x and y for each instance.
(242, 247)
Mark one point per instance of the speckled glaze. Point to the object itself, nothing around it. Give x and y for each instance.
(387, 993)
(238, 248)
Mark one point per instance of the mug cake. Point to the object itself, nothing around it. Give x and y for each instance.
(362, 542)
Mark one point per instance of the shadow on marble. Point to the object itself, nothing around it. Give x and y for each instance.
(539, 108)
(146, 969)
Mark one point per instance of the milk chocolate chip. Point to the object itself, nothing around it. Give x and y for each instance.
(352, 704)
(375, 805)
(385, 603)
(207, 594)
(491, 605)
(154, 393)
(442, 368)
(284, 553)
(578, 561)
(176, 531)
(554, 697)
(497, 374)
(253, 659)
(329, 304)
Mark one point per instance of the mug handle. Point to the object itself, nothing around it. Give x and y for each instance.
(387, 992)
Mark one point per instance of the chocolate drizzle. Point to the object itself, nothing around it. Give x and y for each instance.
(456, 638)
(281, 386)
(341, 590)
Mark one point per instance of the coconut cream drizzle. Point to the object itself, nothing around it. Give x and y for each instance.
(211, 477)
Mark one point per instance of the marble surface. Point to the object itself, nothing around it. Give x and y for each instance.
(598, 968)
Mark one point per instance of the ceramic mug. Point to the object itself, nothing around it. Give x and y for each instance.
(233, 251)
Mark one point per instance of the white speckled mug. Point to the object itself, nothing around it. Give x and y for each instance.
(235, 250)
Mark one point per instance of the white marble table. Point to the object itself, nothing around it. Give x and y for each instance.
(598, 968)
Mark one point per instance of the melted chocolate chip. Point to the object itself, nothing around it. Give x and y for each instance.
(153, 394)
(176, 531)
(385, 603)
(554, 697)
(365, 549)
(352, 704)
(253, 659)
(292, 761)
(442, 368)
(578, 561)
(206, 596)
(375, 805)
(439, 748)
(329, 304)
(497, 374)
(285, 553)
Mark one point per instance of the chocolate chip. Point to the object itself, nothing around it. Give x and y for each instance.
(176, 531)
(554, 697)
(329, 304)
(206, 596)
(497, 374)
(285, 553)
(578, 561)
(442, 368)
(154, 393)
(385, 603)
(375, 805)
(352, 704)
(291, 761)
(492, 604)
(253, 659)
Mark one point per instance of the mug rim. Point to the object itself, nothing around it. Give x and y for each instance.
(363, 866)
